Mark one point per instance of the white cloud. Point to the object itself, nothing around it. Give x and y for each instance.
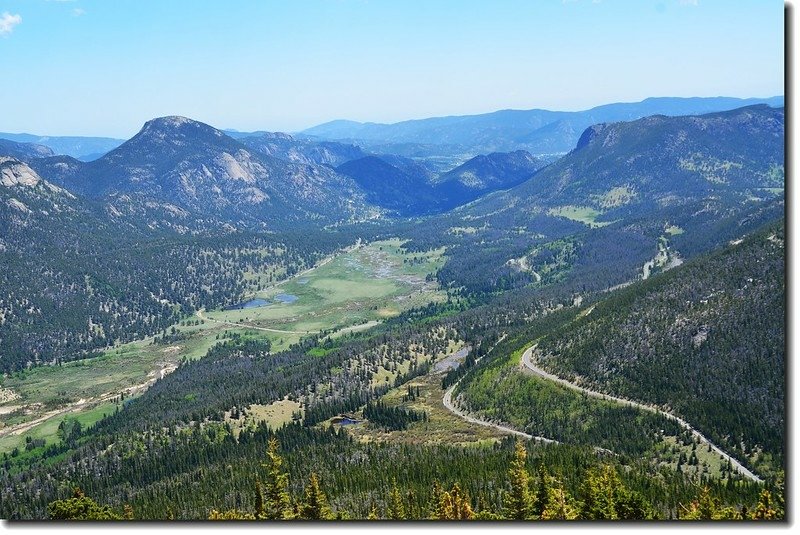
(77, 12)
(7, 22)
(688, 2)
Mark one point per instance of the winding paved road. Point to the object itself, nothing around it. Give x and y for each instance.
(526, 363)
(447, 401)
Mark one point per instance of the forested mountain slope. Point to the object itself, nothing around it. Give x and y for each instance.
(79, 276)
(411, 188)
(704, 341)
(603, 209)
(620, 169)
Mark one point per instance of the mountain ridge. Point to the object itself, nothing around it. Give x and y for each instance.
(531, 130)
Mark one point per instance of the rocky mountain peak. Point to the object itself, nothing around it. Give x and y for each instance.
(175, 129)
(16, 173)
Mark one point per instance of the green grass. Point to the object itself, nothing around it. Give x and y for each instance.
(582, 214)
(48, 429)
(674, 230)
(369, 284)
(618, 196)
(442, 427)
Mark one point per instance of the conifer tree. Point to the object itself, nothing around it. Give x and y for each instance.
(437, 503)
(412, 508)
(373, 512)
(558, 503)
(599, 494)
(315, 504)
(396, 508)
(518, 502)
(765, 509)
(259, 499)
(231, 514)
(277, 502)
(542, 494)
(80, 507)
(460, 507)
(705, 507)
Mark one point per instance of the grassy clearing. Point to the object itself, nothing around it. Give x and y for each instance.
(371, 283)
(48, 430)
(619, 196)
(275, 414)
(582, 214)
(442, 427)
(709, 463)
(673, 230)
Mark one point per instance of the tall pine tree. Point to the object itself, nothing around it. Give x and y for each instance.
(518, 502)
(315, 503)
(278, 502)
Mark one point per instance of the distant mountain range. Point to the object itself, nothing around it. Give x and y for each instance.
(199, 173)
(537, 131)
(186, 173)
(183, 174)
(82, 148)
(24, 151)
(287, 147)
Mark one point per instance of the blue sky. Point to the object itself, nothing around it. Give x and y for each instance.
(100, 67)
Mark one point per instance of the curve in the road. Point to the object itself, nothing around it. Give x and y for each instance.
(447, 401)
(528, 364)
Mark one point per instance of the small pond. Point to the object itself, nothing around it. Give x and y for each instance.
(259, 302)
(344, 420)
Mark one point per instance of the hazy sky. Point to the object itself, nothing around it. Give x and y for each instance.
(101, 67)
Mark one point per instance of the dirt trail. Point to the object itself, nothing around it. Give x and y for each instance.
(526, 363)
(199, 314)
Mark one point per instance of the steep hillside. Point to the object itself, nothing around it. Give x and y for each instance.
(411, 188)
(629, 193)
(705, 340)
(405, 191)
(659, 161)
(493, 171)
(80, 275)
